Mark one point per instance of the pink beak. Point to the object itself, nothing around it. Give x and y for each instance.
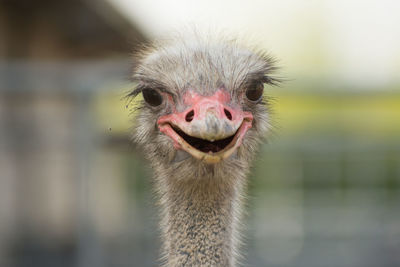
(208, 118)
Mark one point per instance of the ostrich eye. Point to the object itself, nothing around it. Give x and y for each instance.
(254, 93)
(152, 97)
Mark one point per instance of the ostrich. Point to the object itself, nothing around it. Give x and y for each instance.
(200, 123)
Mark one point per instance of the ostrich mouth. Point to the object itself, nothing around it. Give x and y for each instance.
(203, 145)
(208, 151)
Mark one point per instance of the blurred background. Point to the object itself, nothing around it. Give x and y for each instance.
(74, 190)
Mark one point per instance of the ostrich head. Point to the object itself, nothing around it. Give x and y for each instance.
(202, 117)
(203, 107)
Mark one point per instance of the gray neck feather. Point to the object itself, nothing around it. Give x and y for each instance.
(200, 220)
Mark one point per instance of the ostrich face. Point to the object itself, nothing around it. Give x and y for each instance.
(203, 102)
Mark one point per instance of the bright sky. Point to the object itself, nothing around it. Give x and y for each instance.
(354, 42)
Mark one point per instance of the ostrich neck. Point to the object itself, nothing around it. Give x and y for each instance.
(200, 222)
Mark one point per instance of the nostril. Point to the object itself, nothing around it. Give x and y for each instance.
(189, 116)
(228, 114)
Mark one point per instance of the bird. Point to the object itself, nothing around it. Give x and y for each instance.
(202, 118)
